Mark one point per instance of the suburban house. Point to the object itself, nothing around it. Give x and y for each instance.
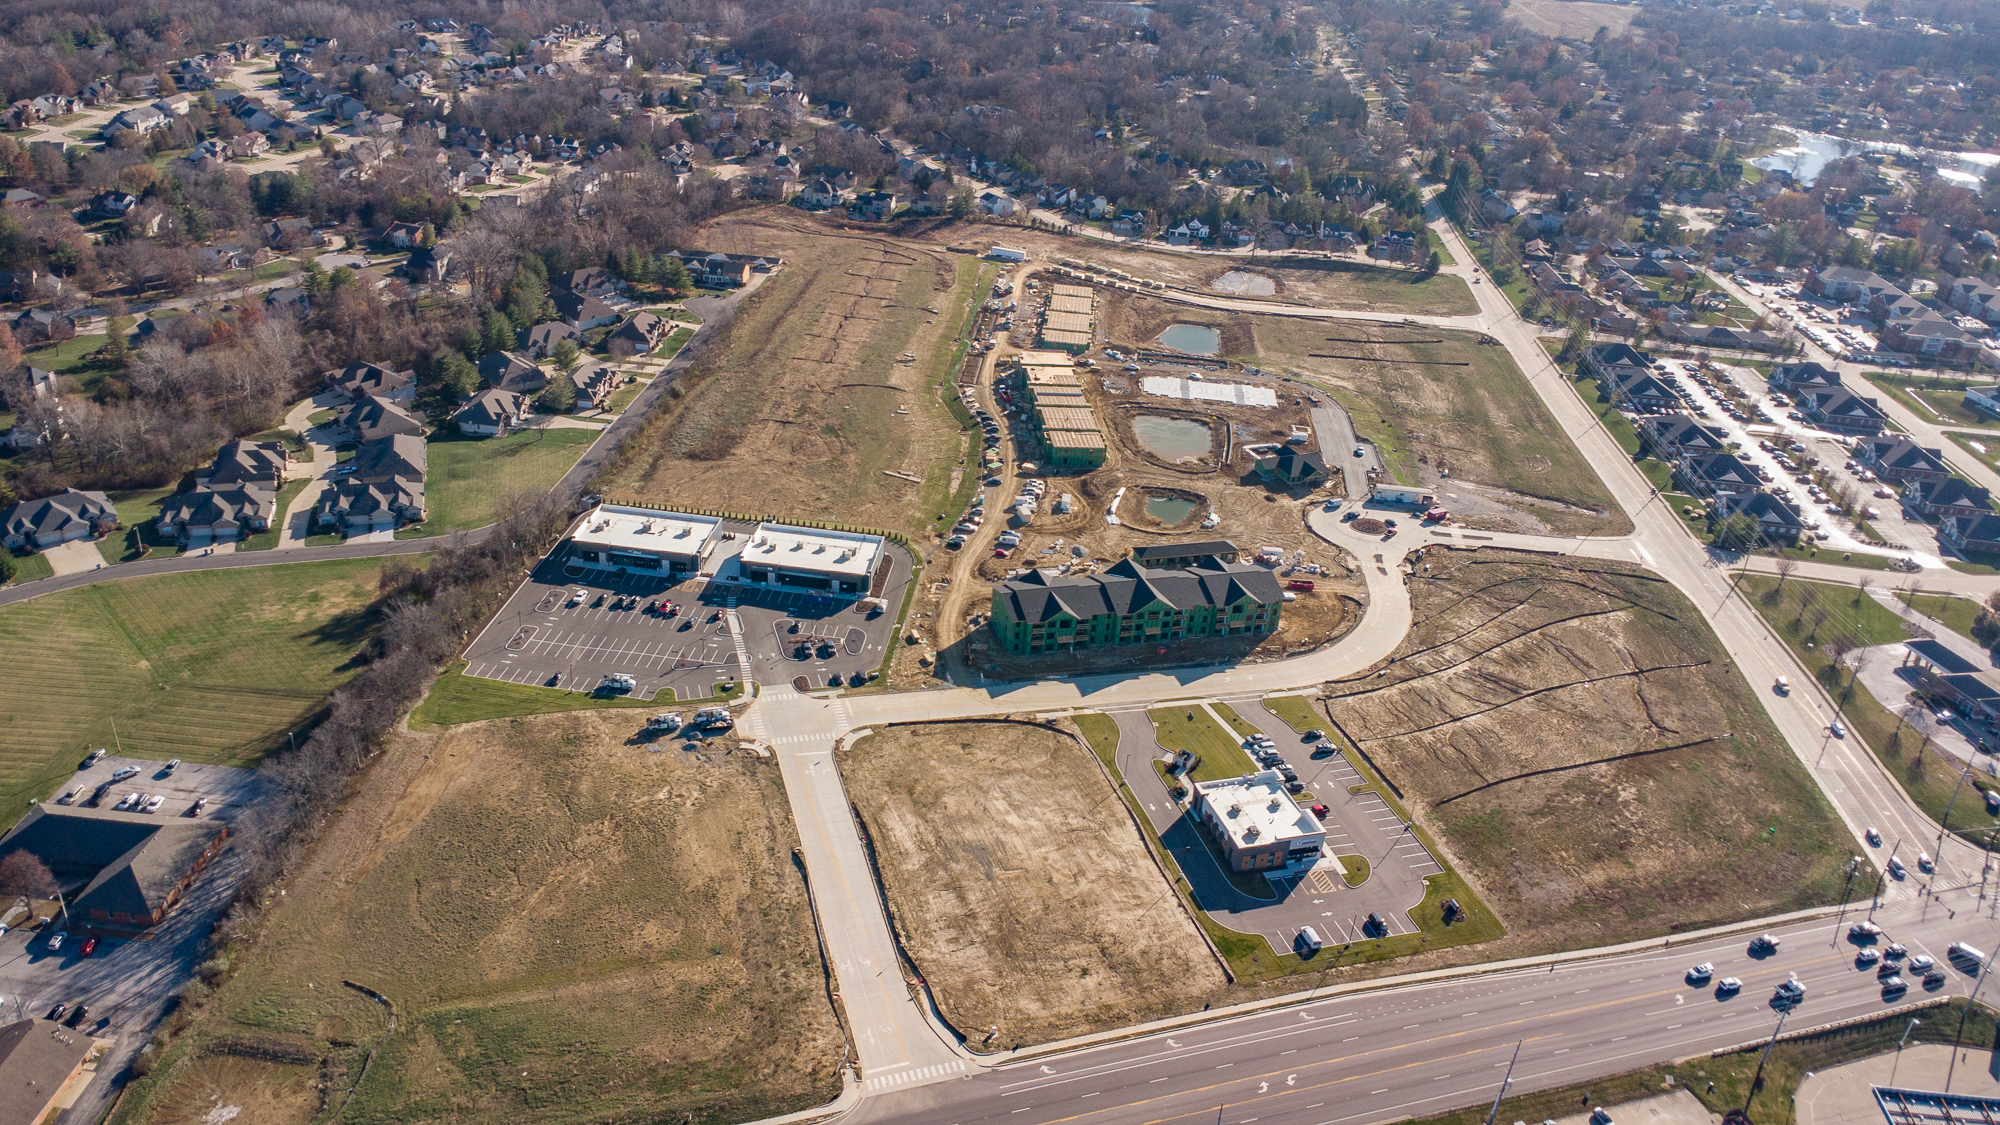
(1256, 823)
(67, 516)
(359, 380)
(639, 335)
(542, 338)
(1670, 437)
(1927, 333)
(1951, 496)
(819, 195)
(593, 282)
(218, 512)
(996, 204)
(1777, 521)
(873, 206)
(510, 372)
(491, 413)
(1127, 605)
(374, 417)
(1970, 533)
(724, 271)
(1841, 410)
(582, 312)
(40, 326)
(595, 384)
(427, 265)
(385, 491)
(1714, 474)
(1897, 458)
(132, 867)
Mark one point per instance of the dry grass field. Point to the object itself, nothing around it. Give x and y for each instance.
(1482, 421)
(806, 405)
(1589, 755)
(1021, 887)
(573, 925)
(1578, 20)
(1346, 282)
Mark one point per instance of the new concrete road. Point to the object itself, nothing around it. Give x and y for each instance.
(1427, 1046)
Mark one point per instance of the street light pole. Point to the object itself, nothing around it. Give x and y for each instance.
(1505, 1081)
(1751, 1094)
(1899, 1050)
(1853, 868)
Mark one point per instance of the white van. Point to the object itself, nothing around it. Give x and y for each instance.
(1959, 951)
(1309, 938)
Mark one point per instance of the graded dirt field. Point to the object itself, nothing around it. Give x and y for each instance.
(210, 666)
(572, 924)
(1343, 281)
(1588, 754)
(1433, 400)
(1021, 887)
(806, 405)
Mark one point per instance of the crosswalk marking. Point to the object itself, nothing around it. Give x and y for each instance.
(903, 1077)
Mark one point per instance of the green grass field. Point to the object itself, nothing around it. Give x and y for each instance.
(1190, 729)
(213, 666)
(458, 698)
(1951, 611)
(1236, 722)
(469, 479)
(28, 568)
(1943, 404)
(1296, 710)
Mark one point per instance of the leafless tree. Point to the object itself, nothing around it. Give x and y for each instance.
(22, 873)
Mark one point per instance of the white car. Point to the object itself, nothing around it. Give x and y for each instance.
(1874, 837)
(55, 943)
(1837, 729)
(153, 805)
(1924, 861)
(1921, 963)
(1867, 957)
(1727, 986)
(1700, 973)
(1864, 930)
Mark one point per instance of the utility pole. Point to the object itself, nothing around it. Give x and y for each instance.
(1505, 1081)
(1943, 825)
(1751, 1094)
(1899, 1050)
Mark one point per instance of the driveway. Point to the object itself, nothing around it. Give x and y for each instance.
(298, 517)
(78, 556)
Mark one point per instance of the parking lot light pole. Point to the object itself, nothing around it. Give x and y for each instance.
(1751, 1094)
(1899, 1050)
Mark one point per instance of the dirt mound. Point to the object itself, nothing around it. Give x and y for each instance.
(1368, 525)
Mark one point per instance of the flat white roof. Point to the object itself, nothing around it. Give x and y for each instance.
(1240, 394)
(1256, 811)
(843, 553)
(616, 527)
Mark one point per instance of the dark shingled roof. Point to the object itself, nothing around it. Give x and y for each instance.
(1127, 588)
(133, 860)
(1185, 550)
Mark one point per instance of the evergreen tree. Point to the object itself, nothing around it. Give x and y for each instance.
(499, 334)
(565, 355)
(559, 397)
(673, 276)
(313, 278)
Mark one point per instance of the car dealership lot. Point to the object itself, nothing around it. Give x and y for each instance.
(722, 632)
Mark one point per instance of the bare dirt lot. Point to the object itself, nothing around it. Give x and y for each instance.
(1433, 400)
(572, 924)
(1021, 887)
(807, 404)
(1664, 799)
(1343, 281)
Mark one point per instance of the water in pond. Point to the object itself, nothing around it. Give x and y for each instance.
(1195, 339)
(1174, 439)
(1244, 284)
(1169, 510)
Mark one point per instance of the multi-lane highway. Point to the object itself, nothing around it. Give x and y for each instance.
(1421, 1048)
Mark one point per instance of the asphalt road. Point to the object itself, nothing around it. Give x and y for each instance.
(1428, 1047)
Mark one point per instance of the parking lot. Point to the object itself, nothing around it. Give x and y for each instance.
(125, 982)
(717, 633)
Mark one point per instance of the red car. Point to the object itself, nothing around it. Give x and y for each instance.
(89, 947)
(1319, 811)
